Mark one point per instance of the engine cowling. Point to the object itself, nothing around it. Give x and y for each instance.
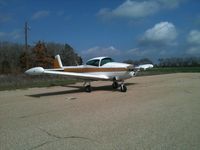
(132, 74)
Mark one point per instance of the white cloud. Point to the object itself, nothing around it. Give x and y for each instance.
(40, 14)
(15, 35)
(100, 51)
(131, 9)
(193, 43)
(194, 37)
(170, 3)
(163, 32)
(135, 9)
(117, 54)
(146, 52)
(159, 41)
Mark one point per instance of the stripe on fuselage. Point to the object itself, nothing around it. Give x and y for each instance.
(83, 70)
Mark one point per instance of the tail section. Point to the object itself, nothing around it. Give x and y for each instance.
(57, 62)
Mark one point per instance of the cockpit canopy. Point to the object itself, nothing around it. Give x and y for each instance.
(100, 61)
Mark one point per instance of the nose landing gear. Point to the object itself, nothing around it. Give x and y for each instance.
(123, 88)
(115, 85)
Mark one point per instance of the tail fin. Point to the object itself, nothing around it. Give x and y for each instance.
(57, 62)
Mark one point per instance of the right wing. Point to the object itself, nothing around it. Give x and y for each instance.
(40, 70)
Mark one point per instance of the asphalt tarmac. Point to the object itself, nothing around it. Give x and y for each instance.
(157, 112)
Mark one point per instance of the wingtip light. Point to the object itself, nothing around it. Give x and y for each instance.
(35, 71)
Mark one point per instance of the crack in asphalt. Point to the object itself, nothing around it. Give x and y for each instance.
(187, 91)
(40, 145)
(66, 137)
(60, 138)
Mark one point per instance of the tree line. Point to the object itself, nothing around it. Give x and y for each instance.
(138, 62)
(14, 59)
(179, 62)
(169, 62)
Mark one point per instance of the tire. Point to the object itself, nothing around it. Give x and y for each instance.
(88, 88)
(123, 88)
(115, 85)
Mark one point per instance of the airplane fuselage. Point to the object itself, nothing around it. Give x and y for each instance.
(119, 71)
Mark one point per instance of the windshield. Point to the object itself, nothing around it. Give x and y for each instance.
(106, 60)
(94, 62)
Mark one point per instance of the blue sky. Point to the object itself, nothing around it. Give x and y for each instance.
(123, 29)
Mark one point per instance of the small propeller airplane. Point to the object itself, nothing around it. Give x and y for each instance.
(99, 68)
(144, 66)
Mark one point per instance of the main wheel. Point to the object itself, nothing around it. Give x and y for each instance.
(88, 88)
(115, 85)
(123, 88)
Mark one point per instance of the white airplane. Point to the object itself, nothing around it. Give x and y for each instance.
(99, 68)
(144, 66)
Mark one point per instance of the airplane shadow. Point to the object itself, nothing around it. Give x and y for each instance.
(79, 89)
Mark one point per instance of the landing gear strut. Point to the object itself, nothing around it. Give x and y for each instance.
(88, 88)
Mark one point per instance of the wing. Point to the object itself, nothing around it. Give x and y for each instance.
(40, 70)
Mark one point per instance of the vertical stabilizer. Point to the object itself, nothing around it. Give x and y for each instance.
(57, 62)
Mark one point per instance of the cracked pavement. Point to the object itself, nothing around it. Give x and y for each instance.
(157, 112)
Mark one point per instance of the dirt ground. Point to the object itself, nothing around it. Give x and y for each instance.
(157, 112)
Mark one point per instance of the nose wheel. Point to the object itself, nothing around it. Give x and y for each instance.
(88, 89)
(122, 87)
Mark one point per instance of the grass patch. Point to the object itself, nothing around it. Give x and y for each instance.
(167, 70)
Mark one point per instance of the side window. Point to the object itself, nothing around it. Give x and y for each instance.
(93, 62)
(105, 61)
(96, 63)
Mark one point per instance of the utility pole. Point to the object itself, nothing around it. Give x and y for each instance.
(26, 28)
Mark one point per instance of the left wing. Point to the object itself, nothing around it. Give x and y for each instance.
(40, 70)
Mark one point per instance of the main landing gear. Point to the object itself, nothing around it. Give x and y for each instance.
(115, 85)
(87, 87)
